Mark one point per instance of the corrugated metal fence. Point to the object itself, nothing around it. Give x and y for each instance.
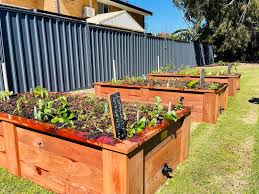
(65, 54)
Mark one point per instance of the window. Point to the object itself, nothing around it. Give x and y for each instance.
(103, 8)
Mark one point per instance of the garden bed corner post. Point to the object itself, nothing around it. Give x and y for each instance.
(185, 138)
(123, 173)
(11, 147)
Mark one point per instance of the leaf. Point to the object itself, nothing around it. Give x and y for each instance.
(55, 120)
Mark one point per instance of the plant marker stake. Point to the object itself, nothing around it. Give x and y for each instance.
(114, 70)
(169, 106)
(6, 87)
(158, 64)
(137, 115)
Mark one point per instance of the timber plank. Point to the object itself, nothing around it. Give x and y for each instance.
(11, 148)
(61, 147)
(2, 146)
(3, 160)
(73, 171)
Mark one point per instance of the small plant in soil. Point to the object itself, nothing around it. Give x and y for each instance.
(191, 84)
(213, 86)
(4, 95)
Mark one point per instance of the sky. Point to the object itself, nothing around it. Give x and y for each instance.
(166, 17)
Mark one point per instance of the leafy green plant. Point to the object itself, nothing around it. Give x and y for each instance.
(179, 105)
(4, 95)
(40, 92)
(221, 63)
(213, 86)
(191, 84)
(62, 113)
(19, 103)
(44, 111)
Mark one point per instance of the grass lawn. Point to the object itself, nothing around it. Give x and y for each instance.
(224, 158)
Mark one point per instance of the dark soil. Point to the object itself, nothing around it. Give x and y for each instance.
(165, 83)
(91, 115)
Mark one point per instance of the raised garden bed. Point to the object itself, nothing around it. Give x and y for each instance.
(90, 160)
(233, 80)
(206, 103)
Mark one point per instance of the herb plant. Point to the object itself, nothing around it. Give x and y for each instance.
(191, 84)
(4, 95)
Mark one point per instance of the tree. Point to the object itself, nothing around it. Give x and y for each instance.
(229, 25)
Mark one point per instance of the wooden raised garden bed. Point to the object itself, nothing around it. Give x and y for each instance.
(65, 161)
(206, 105)
(233, 81)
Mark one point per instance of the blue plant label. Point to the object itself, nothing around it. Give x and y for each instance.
(117, 116)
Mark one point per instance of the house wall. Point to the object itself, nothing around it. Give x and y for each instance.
(68, 7)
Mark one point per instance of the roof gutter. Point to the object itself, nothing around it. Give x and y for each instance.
(126, 6)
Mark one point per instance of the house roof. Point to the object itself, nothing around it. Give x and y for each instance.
(118, 19)
(127, 6)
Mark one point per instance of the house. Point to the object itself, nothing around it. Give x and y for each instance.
(84, 8)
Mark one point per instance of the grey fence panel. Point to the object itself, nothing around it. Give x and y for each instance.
(45, 50)
(2, 58)
(65, 54)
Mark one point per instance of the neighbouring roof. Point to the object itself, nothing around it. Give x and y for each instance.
(118, 19)
(127, 6)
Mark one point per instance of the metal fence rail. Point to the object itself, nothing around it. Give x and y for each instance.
(65, 54)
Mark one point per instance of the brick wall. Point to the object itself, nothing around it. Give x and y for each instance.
(68, 7)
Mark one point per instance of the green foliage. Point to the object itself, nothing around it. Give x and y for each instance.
(4, 95)
(213, 86)
(40, 92)
(62, 113)
(221, 63)
(19, 103)
(166, 69)
(46, 111)
(229, 25)
(154, 116)
(179, 105)
(191, 84)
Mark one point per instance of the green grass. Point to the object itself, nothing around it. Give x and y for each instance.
(224, 158)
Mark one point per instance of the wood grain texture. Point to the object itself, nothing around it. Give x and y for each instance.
(122, 174)
(78, 174)
(170, 153)
(2, 146)
(11, 148)
(61, 147)
(185, 138)
(3, 160)
(211, 108)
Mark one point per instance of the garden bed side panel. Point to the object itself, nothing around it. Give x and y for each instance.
(233, 82)
(204, 108)
(165, 152)
(56, 164)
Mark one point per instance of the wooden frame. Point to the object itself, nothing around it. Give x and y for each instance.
(64, 161)
(233, 81)
(206, 105)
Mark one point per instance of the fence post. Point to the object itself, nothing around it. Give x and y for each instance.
(158, 63)
(114, 70)
(6, 87)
